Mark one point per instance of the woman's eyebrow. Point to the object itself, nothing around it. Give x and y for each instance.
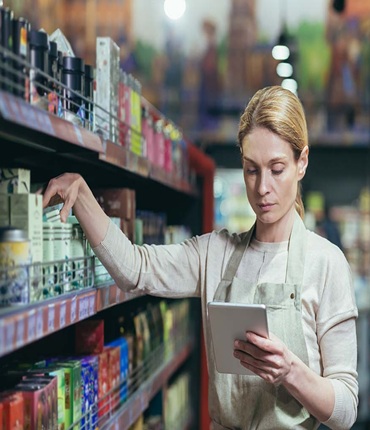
(273, 160)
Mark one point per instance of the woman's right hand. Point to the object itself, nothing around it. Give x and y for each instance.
(72, 190)
(63, 189)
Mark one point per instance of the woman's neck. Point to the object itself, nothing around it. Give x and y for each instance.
(278, 231)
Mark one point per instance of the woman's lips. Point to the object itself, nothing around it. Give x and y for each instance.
(265, 206)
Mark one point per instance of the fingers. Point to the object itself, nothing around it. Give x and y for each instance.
(267, 358)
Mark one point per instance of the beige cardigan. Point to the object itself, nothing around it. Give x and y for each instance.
(194, 269)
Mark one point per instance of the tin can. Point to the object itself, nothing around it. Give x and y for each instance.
(15, 259)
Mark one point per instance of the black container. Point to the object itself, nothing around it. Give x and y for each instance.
(53, 60)
(6, 16)
(89, 94)
(38, 45)
(53, 99)
(60, 65)
(20, 30)
(73, 77)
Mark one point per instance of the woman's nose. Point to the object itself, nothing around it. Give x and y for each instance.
(263, 185)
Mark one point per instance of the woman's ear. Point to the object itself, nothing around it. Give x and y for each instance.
(303, 162)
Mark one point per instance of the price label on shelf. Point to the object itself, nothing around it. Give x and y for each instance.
(83, 308)
(2, 339)
(39, 324)
(92, 304)
(45, 123)
(73, 310)
(79, 135)
(51, 318)
(118, 295)
(31, 326)
(63, 315)
(106, 293)
(9, 334)
(19, 333)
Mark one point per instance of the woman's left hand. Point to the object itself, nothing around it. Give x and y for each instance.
(268, 358)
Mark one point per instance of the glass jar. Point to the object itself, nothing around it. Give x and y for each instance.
(15, 259)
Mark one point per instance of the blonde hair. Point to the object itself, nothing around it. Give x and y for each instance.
(281, 112)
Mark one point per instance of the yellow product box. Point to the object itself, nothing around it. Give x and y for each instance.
(14, 181)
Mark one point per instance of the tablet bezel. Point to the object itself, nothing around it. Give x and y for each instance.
(228, 322)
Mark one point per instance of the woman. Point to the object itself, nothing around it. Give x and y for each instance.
(306, 370)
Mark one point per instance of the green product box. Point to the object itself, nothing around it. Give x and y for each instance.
(61, 390)
(73, 407)
(4, 210)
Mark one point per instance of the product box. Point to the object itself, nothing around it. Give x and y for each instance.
(117, 202)
(40, 402)
(89, 392)
(103, 384)
(26, 213)
(59, 373)
(122, 344)
(72, 375)
(11, 411)
(113, 375)
(136, 138)
(107, 85)
(4, 210)
(89, 337)
(124, 110)
(15, 181)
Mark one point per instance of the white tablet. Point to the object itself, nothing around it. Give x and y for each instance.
(228, 322)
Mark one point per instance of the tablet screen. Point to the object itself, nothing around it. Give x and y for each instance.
(228, 322)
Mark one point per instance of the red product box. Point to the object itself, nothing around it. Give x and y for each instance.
(40, 402)
(114, 356)
(11, 411)
(117, 202)
(89, 337)
(103, 383)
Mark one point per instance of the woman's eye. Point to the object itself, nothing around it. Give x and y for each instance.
(251, 171)
(277, 172)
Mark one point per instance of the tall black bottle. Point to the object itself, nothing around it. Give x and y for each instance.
(6, 16)
(38, 44)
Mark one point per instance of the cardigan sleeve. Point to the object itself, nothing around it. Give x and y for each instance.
(161, 270)
(336, 334)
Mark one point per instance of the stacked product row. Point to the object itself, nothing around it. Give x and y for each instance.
(43, 70)
(81, 390)
(41, 257)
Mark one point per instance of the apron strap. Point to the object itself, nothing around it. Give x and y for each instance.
(237, 255)
(297, 248)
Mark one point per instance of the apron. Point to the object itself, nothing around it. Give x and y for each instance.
(248, 402)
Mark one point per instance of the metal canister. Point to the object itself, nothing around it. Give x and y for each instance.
(15, 259)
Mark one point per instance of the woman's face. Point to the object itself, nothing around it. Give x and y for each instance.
(271, 176)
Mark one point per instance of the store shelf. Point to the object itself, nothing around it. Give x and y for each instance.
(22, 123)
(14, 110)
(20, 326)
(139, 401)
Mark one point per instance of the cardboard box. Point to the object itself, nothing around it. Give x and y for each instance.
(117, 202)
(4, 210)
(89, 337)
(15, 181)
(89, 392)
(26, 213)
(72, 375)
(107, 87)
(11, 411)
